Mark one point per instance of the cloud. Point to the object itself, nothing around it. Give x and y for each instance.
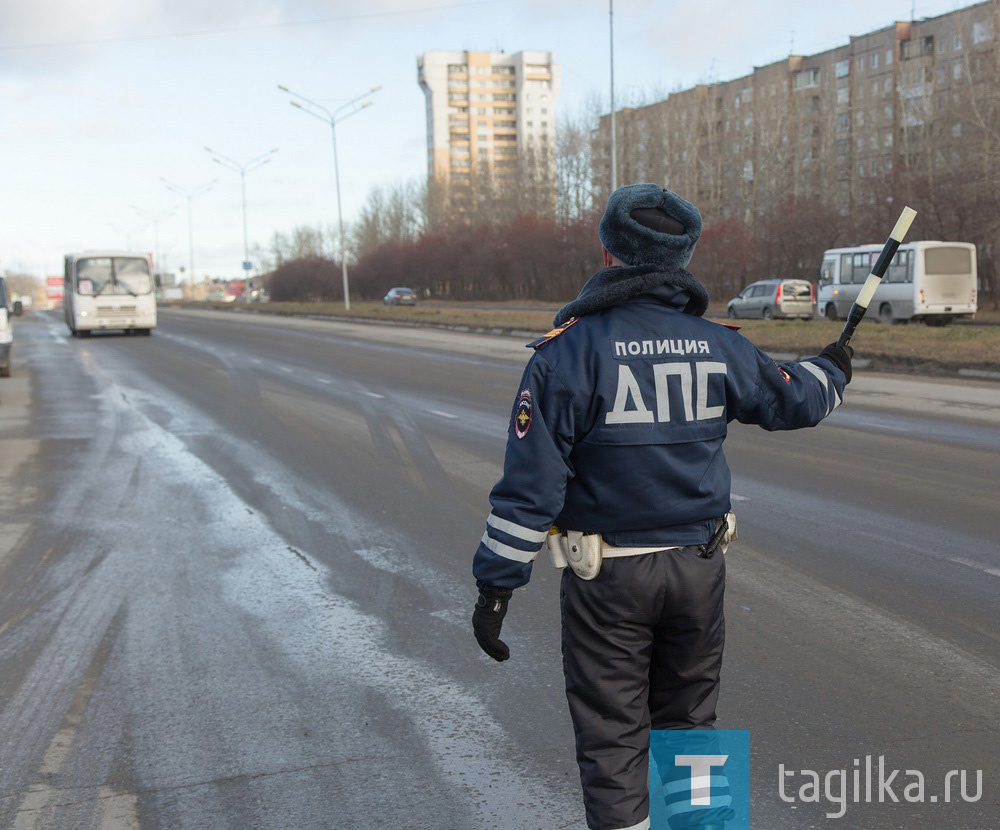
(53, 36)
(55, 23)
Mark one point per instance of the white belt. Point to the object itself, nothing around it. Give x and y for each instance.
(609, 551)
(584, 552)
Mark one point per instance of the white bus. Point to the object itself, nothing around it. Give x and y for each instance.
(109, 290)
(930, 281)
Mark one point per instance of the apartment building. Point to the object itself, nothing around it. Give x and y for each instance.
(487, 109)
(915, 98)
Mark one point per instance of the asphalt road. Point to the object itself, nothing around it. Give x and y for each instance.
(235, 588)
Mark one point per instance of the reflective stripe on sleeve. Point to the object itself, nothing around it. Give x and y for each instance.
(507, 552)
(832, 395)
(516, 530)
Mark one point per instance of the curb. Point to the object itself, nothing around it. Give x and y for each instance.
(979, 373)
(371, 321)
(873, 364)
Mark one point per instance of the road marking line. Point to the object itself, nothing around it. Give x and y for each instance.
(374, 395)
(255, 360)
(979, 566)
(285, 369)
(324, 380)
(878, 425)
(734, 497)
(442, 414)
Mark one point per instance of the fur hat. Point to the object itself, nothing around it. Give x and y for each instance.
(644, 224)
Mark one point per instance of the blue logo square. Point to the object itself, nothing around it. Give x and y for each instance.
(699, 777)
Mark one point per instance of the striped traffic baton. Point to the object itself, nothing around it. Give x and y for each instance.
(860, 305)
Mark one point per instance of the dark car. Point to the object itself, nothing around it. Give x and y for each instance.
(400, 296)
(775, 298)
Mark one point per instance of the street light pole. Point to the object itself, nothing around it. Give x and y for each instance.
(243, 169)
(155, 219)
(340, 219)
(189, 195)
(334, 118)
(614, 138)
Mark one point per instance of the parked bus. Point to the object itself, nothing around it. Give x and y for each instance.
(930, 281)
(109, 290)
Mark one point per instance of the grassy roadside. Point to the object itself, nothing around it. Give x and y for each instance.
(914, 347)
(514, 318)
(908, 348)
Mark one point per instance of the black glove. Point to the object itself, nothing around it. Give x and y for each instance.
(839, 356)
(491, 607)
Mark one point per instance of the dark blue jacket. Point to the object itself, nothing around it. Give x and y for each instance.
(618, 429)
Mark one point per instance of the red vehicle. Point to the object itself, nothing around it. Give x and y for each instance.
(236, 288)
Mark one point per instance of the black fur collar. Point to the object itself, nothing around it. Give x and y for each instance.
(614, 285)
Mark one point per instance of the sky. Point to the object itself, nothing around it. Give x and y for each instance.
(101, 101)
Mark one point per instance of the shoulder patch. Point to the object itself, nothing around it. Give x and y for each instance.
(731, 326)
(541, 341)
(522, 413)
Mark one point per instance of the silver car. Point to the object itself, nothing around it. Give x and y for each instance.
(778, 299)
(400, 296)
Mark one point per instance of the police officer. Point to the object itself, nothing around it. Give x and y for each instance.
(615, 443)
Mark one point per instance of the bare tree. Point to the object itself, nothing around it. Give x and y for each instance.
(574, 176)
(390, 214)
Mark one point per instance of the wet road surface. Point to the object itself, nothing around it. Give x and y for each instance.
(235, 588)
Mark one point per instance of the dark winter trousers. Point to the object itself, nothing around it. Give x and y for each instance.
(642, 648)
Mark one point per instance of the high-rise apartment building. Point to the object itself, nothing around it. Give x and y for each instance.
(850, 126)
(487, 109)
